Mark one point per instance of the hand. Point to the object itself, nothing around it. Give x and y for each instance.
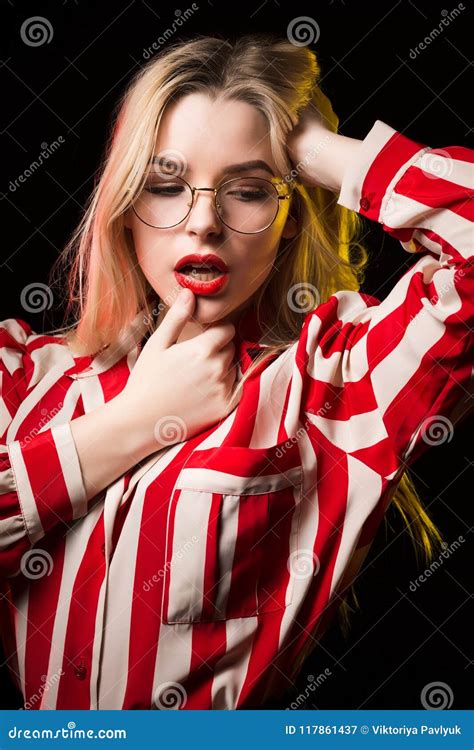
(177, 390)
(316, 122)
(317, 152)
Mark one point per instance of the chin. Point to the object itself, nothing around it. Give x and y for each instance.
(211, 309)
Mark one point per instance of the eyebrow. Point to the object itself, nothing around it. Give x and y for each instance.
(244, 166)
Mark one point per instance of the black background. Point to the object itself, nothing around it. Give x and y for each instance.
(400, 641)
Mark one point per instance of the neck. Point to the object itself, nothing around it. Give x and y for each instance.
(194, 328)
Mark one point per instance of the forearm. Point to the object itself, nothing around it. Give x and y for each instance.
(321, 157)
(108, 444)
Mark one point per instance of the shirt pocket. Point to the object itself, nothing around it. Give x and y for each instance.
(232, 534)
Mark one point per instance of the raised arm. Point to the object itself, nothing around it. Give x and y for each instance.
(404, 364)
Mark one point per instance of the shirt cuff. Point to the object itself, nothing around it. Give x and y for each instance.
(47, 477)
(370, 178)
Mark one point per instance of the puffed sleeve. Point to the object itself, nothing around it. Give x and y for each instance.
(386, 379)
(40, 476)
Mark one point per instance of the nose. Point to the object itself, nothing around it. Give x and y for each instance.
(203, 219)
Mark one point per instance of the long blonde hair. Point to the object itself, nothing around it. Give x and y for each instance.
(105, 285)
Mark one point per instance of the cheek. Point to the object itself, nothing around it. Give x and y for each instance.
(259, 258)
(150, 251)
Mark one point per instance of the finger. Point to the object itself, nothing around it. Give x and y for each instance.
(218, 336)
(176, 318)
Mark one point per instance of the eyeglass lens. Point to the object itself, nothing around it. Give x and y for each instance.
(247, 204)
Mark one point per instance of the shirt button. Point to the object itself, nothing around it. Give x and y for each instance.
(80, 669)
(102, 548)
(364, 204)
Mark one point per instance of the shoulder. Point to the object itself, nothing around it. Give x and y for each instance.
(35, 353)
(344, 306)
(14, 333)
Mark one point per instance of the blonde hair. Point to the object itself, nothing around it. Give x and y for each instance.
(105, 284)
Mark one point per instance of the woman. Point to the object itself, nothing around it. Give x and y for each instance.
(192, 479)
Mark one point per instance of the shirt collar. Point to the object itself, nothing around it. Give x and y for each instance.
(247, 341)
(129, 340)
(248, 338)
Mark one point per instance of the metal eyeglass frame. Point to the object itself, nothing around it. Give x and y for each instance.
(275, 181)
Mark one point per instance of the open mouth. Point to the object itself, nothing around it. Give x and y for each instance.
(201, 272)
(205, 274)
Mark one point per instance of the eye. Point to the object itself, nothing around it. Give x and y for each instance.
(164, 190)
(248, 194)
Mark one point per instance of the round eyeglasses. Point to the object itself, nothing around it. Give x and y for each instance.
(244, 204)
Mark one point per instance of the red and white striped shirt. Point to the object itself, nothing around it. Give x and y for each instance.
(203, 577)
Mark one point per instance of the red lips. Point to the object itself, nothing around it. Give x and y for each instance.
(208, 259)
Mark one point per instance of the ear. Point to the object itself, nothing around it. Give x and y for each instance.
(291, 227)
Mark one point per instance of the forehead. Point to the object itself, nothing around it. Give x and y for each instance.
(212, 133)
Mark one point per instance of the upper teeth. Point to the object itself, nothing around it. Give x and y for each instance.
(200, 266)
